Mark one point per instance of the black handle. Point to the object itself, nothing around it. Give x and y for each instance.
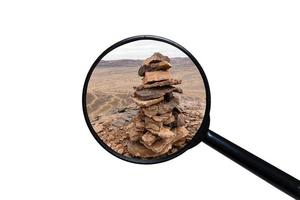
(261, 168)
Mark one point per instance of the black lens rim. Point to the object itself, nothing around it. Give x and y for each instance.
(201, 131)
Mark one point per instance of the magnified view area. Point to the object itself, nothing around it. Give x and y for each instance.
(146, 99)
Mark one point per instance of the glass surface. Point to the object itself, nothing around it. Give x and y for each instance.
(146, 99)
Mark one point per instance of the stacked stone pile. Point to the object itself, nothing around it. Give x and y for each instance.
(159, 125)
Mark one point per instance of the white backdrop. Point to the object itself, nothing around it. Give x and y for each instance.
(249, 51)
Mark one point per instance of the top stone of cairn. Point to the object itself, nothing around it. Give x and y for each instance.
(156, 62)
(155, 58)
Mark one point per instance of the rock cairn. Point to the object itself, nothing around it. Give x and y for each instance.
(159, 126)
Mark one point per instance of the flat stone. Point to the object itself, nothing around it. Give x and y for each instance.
(162, 146)
(169, 121)
(165, 133)
(148, 102)
(156, 76)
(156, 57)
(140, 125)
(163, 117)
(151, 125)
(166, 146)
(154, 93)
(150, 111)
(134, 134)
(138, 150)
(148, 138)
(181, 133)
(162, 65)
(158, 84)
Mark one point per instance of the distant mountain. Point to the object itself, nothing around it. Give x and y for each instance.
(181, 61)
(120, 63)
(177, 61)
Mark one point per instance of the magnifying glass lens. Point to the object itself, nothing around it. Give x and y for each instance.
(145, 99)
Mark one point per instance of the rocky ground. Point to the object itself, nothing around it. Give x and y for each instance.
(113, 127)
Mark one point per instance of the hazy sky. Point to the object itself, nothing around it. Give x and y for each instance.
(142, 49)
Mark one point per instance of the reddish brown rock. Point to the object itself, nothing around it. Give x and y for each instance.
(163, 132)
(169, 120)
(159, 84)
(148, 102)
(134, 134)
(148, 138)
(156, 57)
(156, 76)
(162, 65)
(150, 111)
(181, 134)
(166, 133)
(138, 150)
(140, 125)
(151, 93)
(152, 126)
(162, 146)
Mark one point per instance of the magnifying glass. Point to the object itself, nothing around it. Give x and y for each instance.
(146, 100)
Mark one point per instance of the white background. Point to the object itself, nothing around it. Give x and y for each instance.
(249, 51)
